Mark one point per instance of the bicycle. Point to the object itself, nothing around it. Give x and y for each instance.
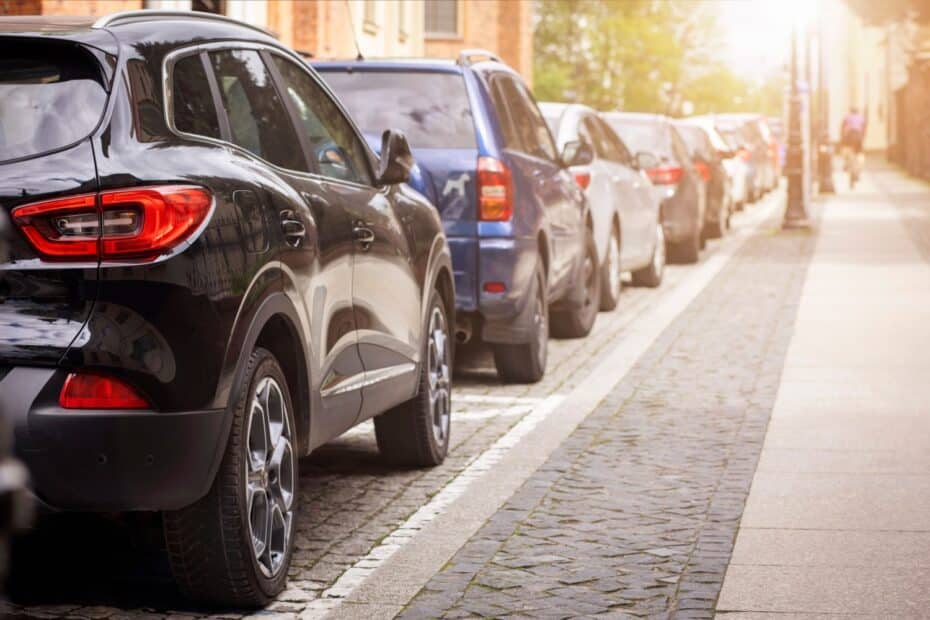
(852, 163)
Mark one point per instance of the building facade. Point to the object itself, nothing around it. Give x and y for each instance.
(346, 28)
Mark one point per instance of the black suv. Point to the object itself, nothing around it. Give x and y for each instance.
(211, 275)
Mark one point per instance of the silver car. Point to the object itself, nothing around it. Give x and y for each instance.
(627, 229)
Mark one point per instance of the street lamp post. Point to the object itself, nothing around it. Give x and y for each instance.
(796, 208)
(824, 149)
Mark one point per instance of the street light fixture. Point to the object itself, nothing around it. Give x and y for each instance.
(796, 208)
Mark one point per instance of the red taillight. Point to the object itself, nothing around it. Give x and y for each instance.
(125, 224)
(744, 154)
(582, 178)
(703, 169)
(495, 287)
(665, 175)
(495, 190)
(82, 391)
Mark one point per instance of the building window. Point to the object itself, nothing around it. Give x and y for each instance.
(402, 20)
(369, 21)
(441, 18)
(209, 6)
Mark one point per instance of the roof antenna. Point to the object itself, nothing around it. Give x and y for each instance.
(354, 34)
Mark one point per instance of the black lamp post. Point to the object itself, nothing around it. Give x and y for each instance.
(824, 148)
(796, 209)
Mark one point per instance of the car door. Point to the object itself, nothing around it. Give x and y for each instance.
(641, 203)
(385, 288)
(534, 158)
(312, 238)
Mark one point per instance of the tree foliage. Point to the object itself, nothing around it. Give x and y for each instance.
(880, 12)
(637, 55)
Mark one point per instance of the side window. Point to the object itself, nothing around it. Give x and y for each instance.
(586, 135)
(191, 99)
(616, 147)
(502, 103)
(542, 144)
(335, 146)
(258, 120)
(679, 150)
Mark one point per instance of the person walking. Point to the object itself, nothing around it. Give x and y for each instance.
(852, 133)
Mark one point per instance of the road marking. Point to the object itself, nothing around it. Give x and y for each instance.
(396, 569)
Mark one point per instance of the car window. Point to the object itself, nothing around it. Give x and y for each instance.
(51, 95)
(679, 150)
(646, 136)
(617, 144)
(609, 147)
(502, 99)
(432, 109)
(527, 130)
(191, 99)
(695, 140)
(258, 120)
(335, 146)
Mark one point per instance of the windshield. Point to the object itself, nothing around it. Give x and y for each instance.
(51, 95)
(432, 109)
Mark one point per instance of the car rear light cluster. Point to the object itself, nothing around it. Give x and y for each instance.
(582, 178)
(495, 190)
(88, 391)
(665, 175)
(139, 223)
(703, 169)
(744, 154)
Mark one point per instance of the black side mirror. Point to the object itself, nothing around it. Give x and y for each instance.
(396, 158)
(577, 153)
(645, 160)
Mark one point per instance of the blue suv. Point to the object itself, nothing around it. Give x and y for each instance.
(518, 225)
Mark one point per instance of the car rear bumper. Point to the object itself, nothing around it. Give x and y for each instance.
(109, 460)
(680, 219)
(502, 262)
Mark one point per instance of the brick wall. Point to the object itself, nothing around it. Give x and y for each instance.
(88, 7)
(20, 7)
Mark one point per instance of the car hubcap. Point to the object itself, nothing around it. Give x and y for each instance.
(542, 329)
(613, 266)
(270, 477)
(590, 274)
(658, 256)
(439, 375)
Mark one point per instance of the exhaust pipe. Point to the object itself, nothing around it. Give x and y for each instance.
(463, 330)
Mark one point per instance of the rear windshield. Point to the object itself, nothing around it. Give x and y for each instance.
(694, 138)
(641, 136)
(51, 95)
(432, 109)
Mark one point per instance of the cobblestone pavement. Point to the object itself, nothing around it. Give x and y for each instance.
(636, 513)
(95, 568)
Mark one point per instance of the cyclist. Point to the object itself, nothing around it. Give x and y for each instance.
(852, 133)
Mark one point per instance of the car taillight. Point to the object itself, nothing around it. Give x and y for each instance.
(87, 391)
(582, 178)
(495, 190)
(703, 169)
(665, 175)
(125, 224)
(744, 154)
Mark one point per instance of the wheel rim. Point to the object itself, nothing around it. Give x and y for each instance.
(590, 279)
(270, 477)
(613, 266)
(440, 381)
(658, 256)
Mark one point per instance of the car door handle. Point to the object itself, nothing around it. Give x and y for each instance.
(364, 236)
(293, 229)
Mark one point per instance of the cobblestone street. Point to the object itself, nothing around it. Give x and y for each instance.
(616, 486)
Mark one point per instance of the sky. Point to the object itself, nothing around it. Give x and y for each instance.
(757, 32)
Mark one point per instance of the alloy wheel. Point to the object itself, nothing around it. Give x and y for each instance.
(440, 382)
(613, 266)
(270, 476)
(658, 255)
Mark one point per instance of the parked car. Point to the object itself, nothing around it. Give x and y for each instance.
(661, 151)
(212, 275)
(518, 225)
(777, 127)
(710, 152)
(624, 206)
(737, 140)
(763, 145)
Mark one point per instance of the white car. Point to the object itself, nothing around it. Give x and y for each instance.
(736, 167)
(624, 207)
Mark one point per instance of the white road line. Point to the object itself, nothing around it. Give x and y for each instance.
(411, 554)
(503, 400)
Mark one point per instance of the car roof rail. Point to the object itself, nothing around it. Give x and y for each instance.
(114, 19)
(466, 56)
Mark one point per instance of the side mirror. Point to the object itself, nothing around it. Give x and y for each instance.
(577, 153)
(645, 160)
(396, 158)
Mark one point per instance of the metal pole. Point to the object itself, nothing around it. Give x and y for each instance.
(825, 149)
(796, 207)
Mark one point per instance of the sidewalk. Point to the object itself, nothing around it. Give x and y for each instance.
(838, 517)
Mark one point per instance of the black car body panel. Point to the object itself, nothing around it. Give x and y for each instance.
(276, 264)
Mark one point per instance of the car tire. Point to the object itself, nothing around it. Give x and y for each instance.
(215, 545)
(611, 273)
(526, 362)
(577, 321)
(716, 230)
(685, 252)
(651, 275)
(417, 432)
